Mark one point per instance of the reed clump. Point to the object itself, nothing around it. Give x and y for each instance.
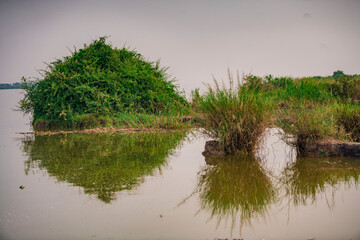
(308, 122)
(235, 116)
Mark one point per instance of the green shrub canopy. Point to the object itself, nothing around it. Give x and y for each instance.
(100, 80)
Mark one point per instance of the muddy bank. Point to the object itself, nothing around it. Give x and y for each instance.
(101, 130)
(323, 148)
(213, 149)
(331, 148)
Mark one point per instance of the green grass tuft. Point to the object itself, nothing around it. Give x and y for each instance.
(236, 116)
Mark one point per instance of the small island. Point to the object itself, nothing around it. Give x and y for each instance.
(102, 88)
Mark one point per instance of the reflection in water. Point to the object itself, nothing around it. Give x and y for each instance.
(101, 163)
(239, 189)
(236, 189)
(307, 178)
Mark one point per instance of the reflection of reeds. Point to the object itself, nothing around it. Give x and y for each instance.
(308, 177)
(235, 188)
(101, 163)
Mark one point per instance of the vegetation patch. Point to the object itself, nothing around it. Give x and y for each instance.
(99, 85)
(308, 122)
(308, 109)
(348, 116)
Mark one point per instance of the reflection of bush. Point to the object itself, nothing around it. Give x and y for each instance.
(235, 187)
(308, 177)
(101, 163)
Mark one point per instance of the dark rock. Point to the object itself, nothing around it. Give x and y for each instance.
(191, 119)
(186, 119)
(332, 148)
(213, 148)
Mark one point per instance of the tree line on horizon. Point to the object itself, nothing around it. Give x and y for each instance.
(16, 85)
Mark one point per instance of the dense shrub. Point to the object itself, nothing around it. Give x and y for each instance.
(349, 118)
(253, 82)
(311, 89)
(272, 83)
(100, 80)
(347, 88)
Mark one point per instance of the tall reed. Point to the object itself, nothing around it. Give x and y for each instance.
(236, 116)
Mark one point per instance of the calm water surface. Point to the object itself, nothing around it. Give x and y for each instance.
(159, 186)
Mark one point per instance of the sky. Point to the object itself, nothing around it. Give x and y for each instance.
(197, 40)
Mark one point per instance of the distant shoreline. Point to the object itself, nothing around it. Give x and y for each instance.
(4, 86)
(10, 88)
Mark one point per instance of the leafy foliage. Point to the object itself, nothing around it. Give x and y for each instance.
(347, 88)
(100, 80)
(338, 74)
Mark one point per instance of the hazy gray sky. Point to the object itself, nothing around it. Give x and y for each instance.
(196, 39)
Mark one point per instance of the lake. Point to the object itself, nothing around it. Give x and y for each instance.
(159, 186)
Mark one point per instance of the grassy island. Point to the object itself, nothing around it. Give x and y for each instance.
(102, 86)
(308, 109)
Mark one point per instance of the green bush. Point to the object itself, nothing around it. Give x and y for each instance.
(338, 74)
(253, 82)
(349, 118)
(311, 89)
(272, 83)
(100, 80)
(347, 88)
